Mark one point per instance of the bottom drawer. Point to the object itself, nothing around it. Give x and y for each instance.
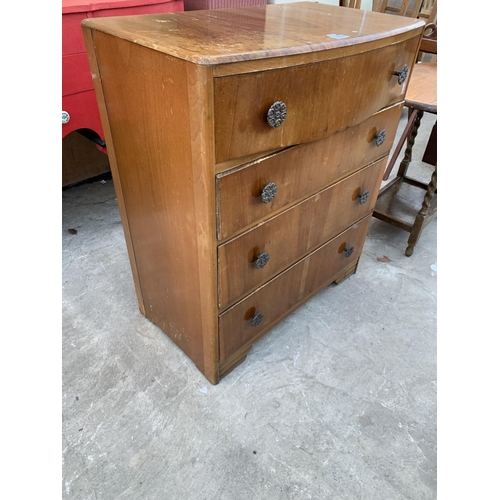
(261, 310)
(82, 112)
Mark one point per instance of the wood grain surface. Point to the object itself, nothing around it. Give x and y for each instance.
(224, 36)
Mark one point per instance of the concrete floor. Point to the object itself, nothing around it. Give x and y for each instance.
(337, 402)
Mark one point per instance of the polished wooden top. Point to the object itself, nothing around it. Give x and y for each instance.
(223, 36)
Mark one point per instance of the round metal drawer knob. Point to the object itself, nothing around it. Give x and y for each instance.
(363, 197)
(257, 318)
(276, 114)
(262, 260)
(269, 192)
(380, 138)
(348, 252)
(65, 117)
(402, 74)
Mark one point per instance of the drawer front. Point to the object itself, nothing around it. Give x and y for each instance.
(72, 37)
(270, 303)
(76, 75)
(320, 99)
(83, 113)
(247, 195)
(258, 255)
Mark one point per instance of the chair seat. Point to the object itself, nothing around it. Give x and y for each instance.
(422, 89)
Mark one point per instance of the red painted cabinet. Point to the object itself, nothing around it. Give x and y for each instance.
(220, 4)
(79, 105)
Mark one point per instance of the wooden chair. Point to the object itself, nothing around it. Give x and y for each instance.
(353, 4)
(428, 11)
(406, 202)
(422, 9)
(401, 10)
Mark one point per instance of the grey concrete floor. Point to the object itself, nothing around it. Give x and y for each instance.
(336, 402)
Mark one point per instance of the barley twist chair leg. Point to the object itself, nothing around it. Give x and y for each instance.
(422, 214)
(405, 163)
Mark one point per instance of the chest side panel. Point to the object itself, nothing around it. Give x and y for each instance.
(159, 112)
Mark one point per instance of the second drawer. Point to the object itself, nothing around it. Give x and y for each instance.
(249, 260)
(298, 172)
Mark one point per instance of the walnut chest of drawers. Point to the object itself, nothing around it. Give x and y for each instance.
(247, 148)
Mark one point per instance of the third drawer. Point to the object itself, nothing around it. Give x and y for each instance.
(251, 259)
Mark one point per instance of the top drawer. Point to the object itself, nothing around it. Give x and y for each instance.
(320, 99)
